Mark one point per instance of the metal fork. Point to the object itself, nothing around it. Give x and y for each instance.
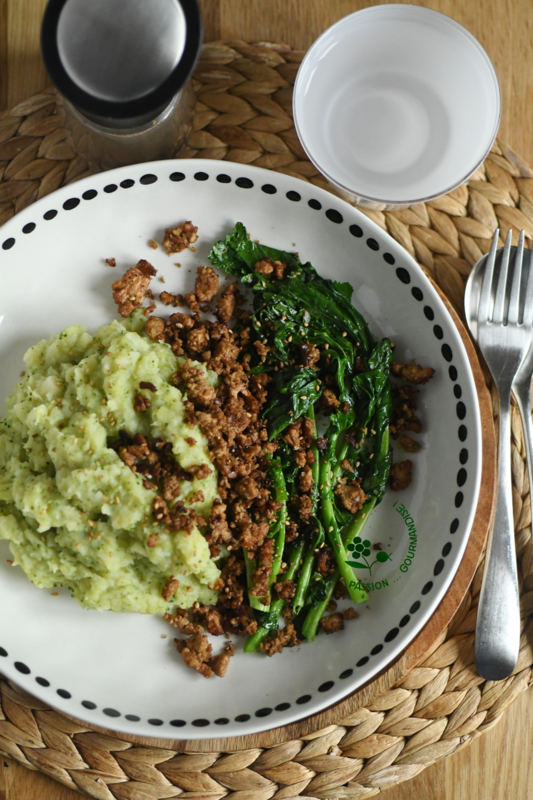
(504, 341)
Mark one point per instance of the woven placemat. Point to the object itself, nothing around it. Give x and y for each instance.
(243, 114)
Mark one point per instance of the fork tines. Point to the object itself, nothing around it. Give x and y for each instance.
(501, 304)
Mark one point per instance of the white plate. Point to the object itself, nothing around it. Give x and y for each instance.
(116, 670)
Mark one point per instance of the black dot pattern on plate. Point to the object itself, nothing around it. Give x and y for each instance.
(263, 712)
(110, 188)
(244, 183)
(414, 608)
(460, 410)
(392, 634)
(457, 391)
(446, 351)
(305, 698)
(403, 275)
(325, 687)
(427, 588)
(461, 477)
(362, 661)
(417, 293)
(462, 432)
(452, 372)
(64, 694)
(283, 706)
(404, 620)
(90, 194)
(42, 682)
(429, 313)
(346, 674)
(8, 243)
(156, 722)
(454, 525)
(334, 216)
(294, 196)
(135, 718)
(177, 176)
(446, 549)
(149, 178)
(463, 456)
(88, 704)
(127, 184)
(111, 712)
(377, 649)
(437, 330)
(389, 258)
(356, 231)
(3, 653)
(242, 718)
(22, 668)
(459, 497)
(177, 723)
(223, 178)
(71, 203)
(267, 188)
(315, 205)
(219, 721)
(372, 244)
(29, 228)
(439, 566)
(48, 215)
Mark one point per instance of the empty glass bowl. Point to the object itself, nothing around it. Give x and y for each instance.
(396, 104)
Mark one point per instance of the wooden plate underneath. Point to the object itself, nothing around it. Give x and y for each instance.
(429, 637)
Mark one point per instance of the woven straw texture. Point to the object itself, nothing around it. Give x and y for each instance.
(243, 114)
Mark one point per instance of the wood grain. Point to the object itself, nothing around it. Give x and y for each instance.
(498, 765)
(3, 56)
(25, 71)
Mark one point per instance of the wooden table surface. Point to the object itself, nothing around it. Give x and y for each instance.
(500, 763)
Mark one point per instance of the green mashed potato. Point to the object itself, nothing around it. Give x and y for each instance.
(74, 514)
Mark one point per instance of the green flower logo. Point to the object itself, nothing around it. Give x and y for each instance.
(360, 549)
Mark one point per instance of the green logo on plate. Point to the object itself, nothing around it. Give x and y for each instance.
(361, 550)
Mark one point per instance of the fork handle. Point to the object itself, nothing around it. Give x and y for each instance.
(498, 621)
